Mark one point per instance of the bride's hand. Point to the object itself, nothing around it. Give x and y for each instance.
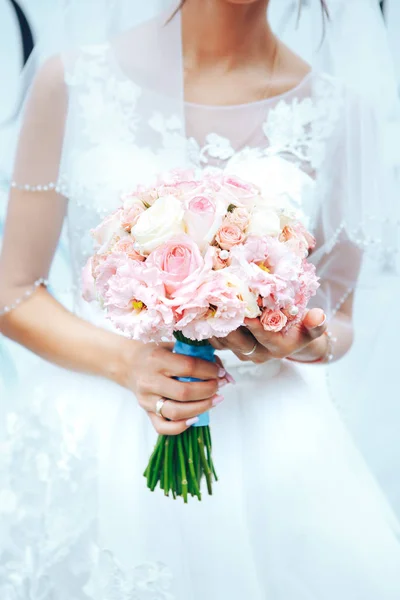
(149, 372)
(303, 341)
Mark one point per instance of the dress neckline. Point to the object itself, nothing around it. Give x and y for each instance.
(254, 103)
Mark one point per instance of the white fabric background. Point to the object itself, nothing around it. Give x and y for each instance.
(13, 358)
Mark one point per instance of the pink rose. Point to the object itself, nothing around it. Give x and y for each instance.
(127, 246)
(177, 260)
(229, 236)
(203, 217)
(130, 215)
(240, 217)
(273, 320)
(243, 192)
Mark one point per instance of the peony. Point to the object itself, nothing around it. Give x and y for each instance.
(162, 221)
(264, 221)
(211, 309)
(241, 288)
(229, 236)
(273, 320)
(134, 302)
(240, 217)
(176, 260)
(104, 266)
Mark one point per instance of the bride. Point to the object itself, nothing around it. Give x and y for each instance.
(296, 515)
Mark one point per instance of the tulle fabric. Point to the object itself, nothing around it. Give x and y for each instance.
(295, 514)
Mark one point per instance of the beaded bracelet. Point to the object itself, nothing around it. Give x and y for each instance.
(25, 296)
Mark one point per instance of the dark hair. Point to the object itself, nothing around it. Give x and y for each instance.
(324, 9)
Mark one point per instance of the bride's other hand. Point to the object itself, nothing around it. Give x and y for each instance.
(149, 371)
(304, 342)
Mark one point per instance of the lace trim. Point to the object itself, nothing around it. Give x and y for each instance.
(25, 296)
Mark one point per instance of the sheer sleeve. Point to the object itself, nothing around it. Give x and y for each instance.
(36, 206)
(355, 211)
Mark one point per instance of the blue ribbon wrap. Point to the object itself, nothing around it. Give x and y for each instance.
(206, 352)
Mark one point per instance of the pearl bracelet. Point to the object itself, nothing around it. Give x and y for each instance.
(329, 355)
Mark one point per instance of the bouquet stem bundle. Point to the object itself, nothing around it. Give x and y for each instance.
(179, 463)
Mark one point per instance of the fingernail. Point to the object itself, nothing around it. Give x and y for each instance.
(229, 378)
(192, 421)
(217, 400)
(223, 382)
(320, 324)
(221, 372)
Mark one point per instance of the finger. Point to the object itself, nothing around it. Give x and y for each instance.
(180, 365)
(257, 330)
(217, 343)
(167, 345)
(314, 323)
(185, 391)
(240, 341)
(259, 356)
(164, 427)
(181, 411)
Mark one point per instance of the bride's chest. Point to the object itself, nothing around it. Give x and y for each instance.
(120, 135)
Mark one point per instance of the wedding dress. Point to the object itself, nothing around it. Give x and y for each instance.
(295, 515)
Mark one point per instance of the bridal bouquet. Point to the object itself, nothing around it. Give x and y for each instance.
(191, 258)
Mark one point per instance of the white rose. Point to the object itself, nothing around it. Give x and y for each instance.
(243, 292)
(264, 221)
(159, 223)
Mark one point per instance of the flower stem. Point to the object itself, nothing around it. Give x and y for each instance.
(166, 464)
(183, 470)
(206, 468)
(195, 482)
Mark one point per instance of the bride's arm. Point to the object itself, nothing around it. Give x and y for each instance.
(35, 216)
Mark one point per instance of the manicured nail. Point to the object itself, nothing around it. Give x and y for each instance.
(217, 400)
(320, 324)
(223, 382)
(221, 372)
(229, 378)
(192, 421)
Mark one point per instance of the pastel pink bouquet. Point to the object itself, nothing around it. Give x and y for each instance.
(192, 257)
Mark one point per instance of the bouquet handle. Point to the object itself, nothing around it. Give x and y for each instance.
(204, 351)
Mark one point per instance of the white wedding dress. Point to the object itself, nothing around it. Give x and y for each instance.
(295, 514)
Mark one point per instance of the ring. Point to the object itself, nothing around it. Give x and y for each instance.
(159, 406)
(251, 351)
